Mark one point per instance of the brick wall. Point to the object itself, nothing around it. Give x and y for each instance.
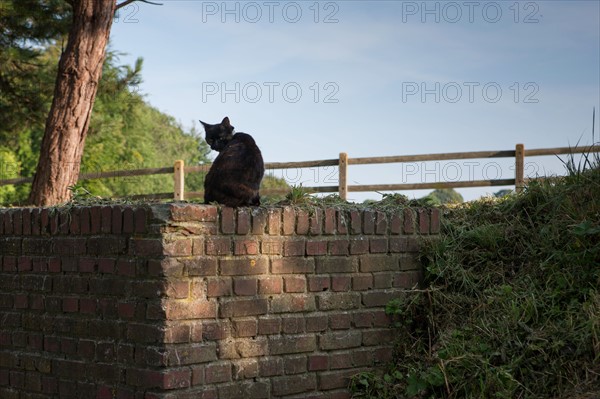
(194, 301)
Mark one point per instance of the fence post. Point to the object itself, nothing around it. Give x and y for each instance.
(179, 180)
(343, 176)
(519, 167)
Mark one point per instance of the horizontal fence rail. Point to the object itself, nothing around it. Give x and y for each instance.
(179, 170)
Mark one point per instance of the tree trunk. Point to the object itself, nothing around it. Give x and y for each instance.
(79, 72)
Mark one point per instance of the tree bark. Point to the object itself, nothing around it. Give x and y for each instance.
(79, 72)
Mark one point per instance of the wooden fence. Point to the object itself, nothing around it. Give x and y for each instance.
(179, 170)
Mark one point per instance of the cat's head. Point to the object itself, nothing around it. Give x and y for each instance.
(217, 136)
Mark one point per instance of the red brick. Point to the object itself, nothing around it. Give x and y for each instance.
(70, 305)
(314, 248)
(214, 330)
(259, 221)
(340, 360)
(245, 327)
(116, 219)
(106, 266)
(287, 344)
(362, 282)
(435, 221)
(381, 223)
(245, 286)
(340, 321)
(274, 221)
(106, 222)
(227, 220)
(383, 280)
(24, 264)
(315, 221)
(294, 283)
(423, 221)
(295, 364)
(69, 245)
(340, 283)
(26, 218)
(269, 325)
(179, 247)
(338, 300)
(242, 370)
(126, 267)
(343, 219)
(270, 285)
(188, 212)
(289, 220)
(242, 266)
(378, 245)
(197, 246)
(336, 265)
(95, 219)
(339, 247)
(243, 221)
(318, 283)
(270, 366)
(302, 225)
(35, 222)
(271, 246)
(44, 221)
(294, 384)
(396, 223)
(200, 266)
(340, 340)
(245, 247)
(378, 263)
(217, 372)
(330, 222)
(292, 265)
(409, 221)
(290, 303)
(218, 246)
(243, 307)
(21, 301)
(294, 247)
(140, 219)
(17, 217)
(87, 305)
(292, 324)
(368, 222)
(359, 245)
(318, 362)
(179, 289)
(169, 379)
(128, 224)
(8, 224)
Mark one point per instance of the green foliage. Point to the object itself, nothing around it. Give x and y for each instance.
(125, 133)
(510, 306)
(443, 196)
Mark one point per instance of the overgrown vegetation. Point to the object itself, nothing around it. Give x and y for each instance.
(510, 306)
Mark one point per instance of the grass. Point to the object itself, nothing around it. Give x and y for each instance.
(511, 300)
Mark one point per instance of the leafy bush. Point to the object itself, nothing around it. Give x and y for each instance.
(511, 301)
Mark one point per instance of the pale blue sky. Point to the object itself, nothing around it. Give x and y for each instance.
(376, 78)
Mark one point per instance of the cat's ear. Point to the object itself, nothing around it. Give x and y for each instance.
(225, 122)
(205, 125)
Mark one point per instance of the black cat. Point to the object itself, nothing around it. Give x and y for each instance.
(235, 175)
